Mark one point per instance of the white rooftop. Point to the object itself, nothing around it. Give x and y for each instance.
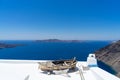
(28, 70)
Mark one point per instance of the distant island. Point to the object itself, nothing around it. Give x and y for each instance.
(3, 45)
(110, 55)
(57, 40)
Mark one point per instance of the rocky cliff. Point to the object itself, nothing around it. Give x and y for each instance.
(110, 55)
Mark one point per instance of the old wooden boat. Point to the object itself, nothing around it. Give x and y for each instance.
(58, 65)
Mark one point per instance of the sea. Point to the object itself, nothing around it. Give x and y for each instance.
(32, 50)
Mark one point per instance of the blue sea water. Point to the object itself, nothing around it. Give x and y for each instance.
(53, 50)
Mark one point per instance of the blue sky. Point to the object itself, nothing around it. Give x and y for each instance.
(61, 19)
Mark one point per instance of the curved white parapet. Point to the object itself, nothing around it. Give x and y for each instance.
(28, 70)
(61, 71)
(91, 60)
(101, 74)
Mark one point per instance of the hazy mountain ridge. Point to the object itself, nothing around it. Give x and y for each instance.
(110, 55)
(3, 45)
(57, 40)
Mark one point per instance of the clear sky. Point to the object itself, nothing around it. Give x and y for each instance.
(61, 19)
